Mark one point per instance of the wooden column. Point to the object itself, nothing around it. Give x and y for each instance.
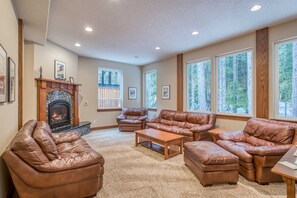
(20, 71)
(180, 84)
(75, 105)
(262, 73)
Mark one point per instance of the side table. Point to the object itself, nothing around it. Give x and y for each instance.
(214, 133)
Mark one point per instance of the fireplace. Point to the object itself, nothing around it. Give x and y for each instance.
(59, 114)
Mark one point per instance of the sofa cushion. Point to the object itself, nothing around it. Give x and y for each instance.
(133, 117)
(25, 146)
(177, 123)
(166, 122)
(196, 118)
(180, 116)
(167, 115)
(44, 126)
(257, 141)
(190, 125)
(181, 131)
(46, 143)
(238, 149)
(127, 121)
(279, 134)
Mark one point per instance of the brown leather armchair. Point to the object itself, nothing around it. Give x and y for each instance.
(259, 147)
(132, 119)
(43, 164)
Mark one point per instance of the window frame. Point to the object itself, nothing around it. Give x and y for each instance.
(216, 75)
(144, 89)
(121, 90)
(275, 76)
(211, 84)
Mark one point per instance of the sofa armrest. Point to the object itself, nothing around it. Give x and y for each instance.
(201, 128)
(153, 120)
(79, 161)
(236, 136)
(66, 137)
(121, 117)
(142, 118)
(269, 150)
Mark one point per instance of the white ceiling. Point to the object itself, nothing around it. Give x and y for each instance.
(124, 29)
(35, 15)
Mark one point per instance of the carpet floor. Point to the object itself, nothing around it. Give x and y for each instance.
(131, 171)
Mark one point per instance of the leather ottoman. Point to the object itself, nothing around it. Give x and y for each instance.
(211, 163)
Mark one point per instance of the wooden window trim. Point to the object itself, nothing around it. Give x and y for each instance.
(108, 110)
(233, 117)
(152, 109)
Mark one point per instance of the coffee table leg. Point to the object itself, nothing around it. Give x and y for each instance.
(165, 151)
(136, 139)
(290, 187)
(181, 145)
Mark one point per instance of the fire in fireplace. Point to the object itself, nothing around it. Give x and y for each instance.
(59, 114)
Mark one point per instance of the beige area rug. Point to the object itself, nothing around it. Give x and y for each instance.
(139, 172)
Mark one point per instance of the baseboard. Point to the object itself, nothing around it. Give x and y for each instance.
(103, 127)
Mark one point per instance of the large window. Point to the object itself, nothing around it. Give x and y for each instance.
(150, 82)
(234, 83)
(286, 79)
(199, 86)
(109, 88)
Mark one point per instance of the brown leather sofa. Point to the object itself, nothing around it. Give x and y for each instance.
(193, 126)
(43, 164)
(259, 147)
(132, 119)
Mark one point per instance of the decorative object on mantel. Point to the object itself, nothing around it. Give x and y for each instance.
(71, 79)
(40, 72)
(165, 92)
(11, 80)
(3, 80)
(60, 70)
(47, 86)
(132, 94)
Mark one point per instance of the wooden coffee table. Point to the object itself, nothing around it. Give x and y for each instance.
(160, 141)
(215, 132)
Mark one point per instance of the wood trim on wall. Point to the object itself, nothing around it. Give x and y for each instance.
(103, 127)
(20, 71)
(107, 110)
(152, 109)
(262, 73)
(233, 117)
(180, 84)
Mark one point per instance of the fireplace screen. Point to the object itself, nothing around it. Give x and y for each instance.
(59, 114)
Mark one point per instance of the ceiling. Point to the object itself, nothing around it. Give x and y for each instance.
(129, 30)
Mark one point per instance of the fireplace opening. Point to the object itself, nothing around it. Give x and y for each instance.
(59, 114)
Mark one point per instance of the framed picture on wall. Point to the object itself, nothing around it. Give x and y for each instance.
(132, 95)
(11, 80)
(3, 74)
(60, 70)
(165, 92)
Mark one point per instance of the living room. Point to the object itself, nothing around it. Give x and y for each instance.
(98, 60)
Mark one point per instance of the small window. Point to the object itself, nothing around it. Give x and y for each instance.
(109, 88)
(199, 86)
(150, 82)
(286, 79)
(235, 83)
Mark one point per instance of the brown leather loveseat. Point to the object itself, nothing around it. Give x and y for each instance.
(43, 164)
(194, 126)
(259, 147)
(132, 119)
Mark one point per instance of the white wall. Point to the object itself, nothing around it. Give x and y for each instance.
(166, 75)
(88, 77)
(8, 111)
(36, 56)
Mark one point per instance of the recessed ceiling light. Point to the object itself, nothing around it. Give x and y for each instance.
(89, 29)
(77, 44)
(195, 33)
(256, 8)
(157, 48)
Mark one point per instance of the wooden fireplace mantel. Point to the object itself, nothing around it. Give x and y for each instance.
(45, 86)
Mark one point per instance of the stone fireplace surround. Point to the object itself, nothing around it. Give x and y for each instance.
(51, 90)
